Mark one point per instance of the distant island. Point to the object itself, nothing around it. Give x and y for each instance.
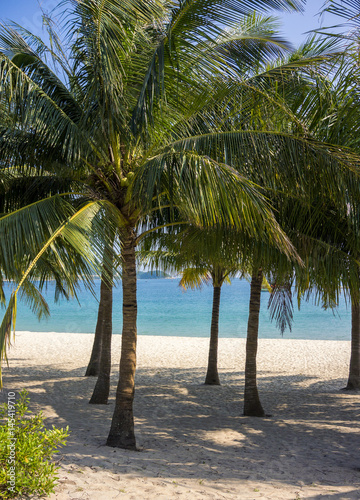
(152, 275)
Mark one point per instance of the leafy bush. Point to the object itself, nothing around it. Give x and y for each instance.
(26, 451)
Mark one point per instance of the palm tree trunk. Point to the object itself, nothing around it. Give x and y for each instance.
(354, 371)
(93, 367)
(100, 395)
(122, 433)
(212, 376)
(252, 404)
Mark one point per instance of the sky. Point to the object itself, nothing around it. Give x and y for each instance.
(28, 14)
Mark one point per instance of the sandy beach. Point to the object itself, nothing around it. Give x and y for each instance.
(194, 442)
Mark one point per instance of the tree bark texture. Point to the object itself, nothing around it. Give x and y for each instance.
(93, 367)
(252, 404)
(212, 376)
(122, 433)
(354, 371)
(100, 395)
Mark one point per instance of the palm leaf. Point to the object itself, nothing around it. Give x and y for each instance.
(78, 231)
(281, 307)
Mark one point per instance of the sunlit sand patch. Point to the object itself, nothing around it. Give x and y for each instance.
(194, 441)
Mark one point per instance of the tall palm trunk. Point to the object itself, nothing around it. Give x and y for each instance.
(212, 376)
(354, 371)
(122, 426)
(252, 404)
(93, 367)
(102, 386)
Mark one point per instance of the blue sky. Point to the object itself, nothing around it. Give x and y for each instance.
(28, 14)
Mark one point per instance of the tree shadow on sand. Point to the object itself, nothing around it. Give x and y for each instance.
(353, 494)
(310, 438)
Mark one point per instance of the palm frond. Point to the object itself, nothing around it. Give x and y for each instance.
(280, 306)
(194, 278)
(81, 231)
(209, 193)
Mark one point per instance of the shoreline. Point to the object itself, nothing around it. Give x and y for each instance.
(205, 336)
(195, 442)
(164, 308)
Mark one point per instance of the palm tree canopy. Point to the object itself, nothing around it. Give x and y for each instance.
(129, 109)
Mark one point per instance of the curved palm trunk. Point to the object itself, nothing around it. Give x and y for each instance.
(100, 395)
(122, 426)
(354, 371)
(252, 404)
(93, 367)
(212, 376)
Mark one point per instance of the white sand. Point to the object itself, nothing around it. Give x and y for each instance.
(194, 441)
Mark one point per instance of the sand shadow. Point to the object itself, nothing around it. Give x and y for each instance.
(310, 436)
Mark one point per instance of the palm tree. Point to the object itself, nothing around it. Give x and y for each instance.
(93, 367)
(270, 267)
(252, 404)
(193, 278)
(143, 123)
(116, 120)
(324, 228)
(202, 257)
(346, 129)
(318, 190)
(104, 311)
(102, 387)
(214, 256)
(334, 117)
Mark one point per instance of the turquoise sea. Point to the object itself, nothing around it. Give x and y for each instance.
(165, 309)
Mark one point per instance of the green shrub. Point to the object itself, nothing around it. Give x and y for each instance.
(26, 451)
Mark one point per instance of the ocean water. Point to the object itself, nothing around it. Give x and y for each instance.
(165, 309)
